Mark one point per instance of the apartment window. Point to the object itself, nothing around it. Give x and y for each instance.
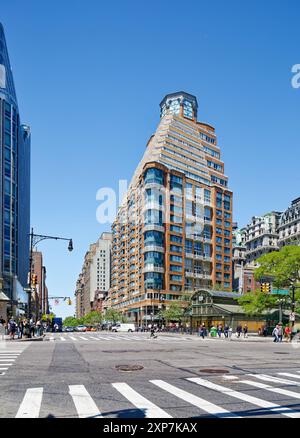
(175, 248)
(175, 268)
(174, 258)
(188, 246)
(176, 229)
(175, 278)
(175, 239)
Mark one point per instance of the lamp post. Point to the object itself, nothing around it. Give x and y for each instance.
(34, 240)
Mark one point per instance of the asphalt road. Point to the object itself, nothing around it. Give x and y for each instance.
(73, 375)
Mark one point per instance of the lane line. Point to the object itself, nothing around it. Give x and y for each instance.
(272, 379)
(295, 376)
(84, 404)
(200, 403)
(281, 391)
(149, 409)
(247, 398)
(31, 404)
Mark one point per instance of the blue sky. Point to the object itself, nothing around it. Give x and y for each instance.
(90, 75)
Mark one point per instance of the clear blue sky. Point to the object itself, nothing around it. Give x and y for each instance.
(90, 75)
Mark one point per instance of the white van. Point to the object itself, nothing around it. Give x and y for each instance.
(123, 328)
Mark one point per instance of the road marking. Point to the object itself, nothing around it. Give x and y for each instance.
(51, 339)
(8, 358)
(2, 374)
(272, 389)
(82, 337)
(31, 404)
(205, 405)
(290, 375)
(267, 378)
(102, 337)
(94, 337)
(85, 405)
(3, 369)
(149, 409)
(230, 377)
(245, 397)
(7, 364)
(62, 338)
(72, 337)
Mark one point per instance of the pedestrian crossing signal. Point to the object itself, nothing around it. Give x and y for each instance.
(266, 287)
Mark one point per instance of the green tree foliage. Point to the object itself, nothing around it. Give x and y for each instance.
(70, 321)
(283, 266)
(93, 318)
(254, 303)
(172, 313)
(48, 317)
(114, 316)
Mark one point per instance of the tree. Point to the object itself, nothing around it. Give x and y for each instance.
(114, 316)
(70, 321)
(283, 266)
(93, 318)
(254, 303)
(172, 313)
(48, 317)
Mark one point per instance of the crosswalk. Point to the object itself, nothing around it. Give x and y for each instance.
(116, 337)
(216, 398)
(8, 356)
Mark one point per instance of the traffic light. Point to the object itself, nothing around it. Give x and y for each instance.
(265, 287)
(33, 280)
(69, 302)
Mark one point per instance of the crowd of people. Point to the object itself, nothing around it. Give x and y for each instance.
(22, 327)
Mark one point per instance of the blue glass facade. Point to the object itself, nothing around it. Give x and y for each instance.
(14, 185)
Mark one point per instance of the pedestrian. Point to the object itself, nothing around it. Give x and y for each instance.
(32, 327)
(287, 333)
(219, 330)
(275, 334)
(152, 332)
(239, 330)
(203, 331)
(230, 333)
(12, 328)
(38, 328)
(245, 330)
(226, 329)
(280, 332)
(265, 331)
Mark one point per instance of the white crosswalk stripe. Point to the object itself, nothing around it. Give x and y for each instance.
(62, 338)
(274, 379)
(149, 409)
(73, 339)
(281, 391)
(245, 397)
(294, 376)
(205, 405)
(85, 405)
(31, 404)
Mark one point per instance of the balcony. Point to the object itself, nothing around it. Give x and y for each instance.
(202, 276)
(149, 248)
(155, 227)
(153, 268)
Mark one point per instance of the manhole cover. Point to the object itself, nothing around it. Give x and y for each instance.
(213, 371)
(129, 367)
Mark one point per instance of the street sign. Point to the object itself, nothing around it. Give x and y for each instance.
(280, 292)
(292, 316)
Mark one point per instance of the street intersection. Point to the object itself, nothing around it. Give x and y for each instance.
(179, 376)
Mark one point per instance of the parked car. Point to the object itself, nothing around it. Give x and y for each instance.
(68, 329)
(123, 328)
(91, 328)
(80, 328)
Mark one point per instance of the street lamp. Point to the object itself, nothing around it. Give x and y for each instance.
(34, 240)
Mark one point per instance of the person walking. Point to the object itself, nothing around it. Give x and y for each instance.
(239, 330)
(275, 334)
(226, 329)
(152, 332)
(12, 328)
(203, 331)
(220, 330)
(230, 333)
(280, 333)
(32, 327)
(38, 328)
(245, 330)
(287, 333)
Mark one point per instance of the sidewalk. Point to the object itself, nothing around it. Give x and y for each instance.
(6, 338)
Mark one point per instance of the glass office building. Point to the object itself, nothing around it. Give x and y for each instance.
(14, 188)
